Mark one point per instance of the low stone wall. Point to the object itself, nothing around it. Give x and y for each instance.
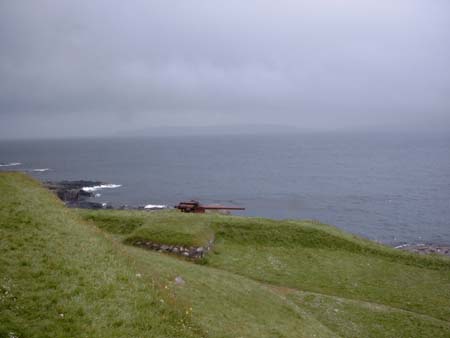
(191, 252)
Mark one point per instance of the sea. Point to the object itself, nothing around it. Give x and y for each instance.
(390, 187)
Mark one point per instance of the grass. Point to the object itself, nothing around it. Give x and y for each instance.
(62, 278)
(263, 278)
(162, 227)
(299, 255)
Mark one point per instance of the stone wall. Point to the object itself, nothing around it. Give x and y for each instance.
(191, 252)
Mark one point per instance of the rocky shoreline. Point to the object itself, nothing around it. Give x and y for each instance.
(78, 194)
(425, 249)
(73, 194)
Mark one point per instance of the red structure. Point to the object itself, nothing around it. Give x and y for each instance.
(195, 206)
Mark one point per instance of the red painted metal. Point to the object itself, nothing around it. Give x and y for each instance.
(195, 206)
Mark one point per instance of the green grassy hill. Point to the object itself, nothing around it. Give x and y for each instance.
(73, 273)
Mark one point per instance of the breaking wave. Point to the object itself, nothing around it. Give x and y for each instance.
(102, 186)
(11, 164)
(401, 246)
(155, 206)
(40, 170)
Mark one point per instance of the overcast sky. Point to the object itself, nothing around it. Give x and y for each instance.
(95, 67)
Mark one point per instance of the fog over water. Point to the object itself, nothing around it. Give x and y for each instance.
(93, 68)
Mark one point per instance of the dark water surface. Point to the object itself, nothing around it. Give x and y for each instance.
(388, 187)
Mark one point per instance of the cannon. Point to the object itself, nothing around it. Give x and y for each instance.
(195, 206)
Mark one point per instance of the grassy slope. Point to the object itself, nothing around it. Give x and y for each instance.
(377, 291)
(264, 278)
(161, 227)
(62, 278)
(307, 257)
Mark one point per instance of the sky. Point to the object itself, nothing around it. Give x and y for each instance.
(110, 67)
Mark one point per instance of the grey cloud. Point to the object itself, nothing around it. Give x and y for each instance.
(308, 63)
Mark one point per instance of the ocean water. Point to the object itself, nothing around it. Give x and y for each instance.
(394, 188)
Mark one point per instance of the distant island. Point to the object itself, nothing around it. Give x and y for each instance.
(241, 129)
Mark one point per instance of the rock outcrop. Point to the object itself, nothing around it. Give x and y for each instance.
(426, 249)
(73, 195)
